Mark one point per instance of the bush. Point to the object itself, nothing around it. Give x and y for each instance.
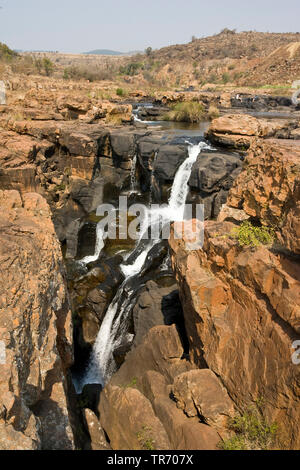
(91, 73)
(228, 31)
(131, 69)
(252, 432)
(145, 439)
(249, 235)
(6, 53)
(213, 112)
(213, 78)
(120, 92)
(190, 111)
(48, 66)
(225, 78)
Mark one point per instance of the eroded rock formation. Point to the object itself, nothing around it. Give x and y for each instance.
(35, 328)
(241, 304)
(148, 402)
(239, 130)
(269, 189)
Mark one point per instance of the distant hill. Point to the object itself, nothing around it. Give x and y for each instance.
(227, 44)
(244, 58)
(104, 52)
(109, 52)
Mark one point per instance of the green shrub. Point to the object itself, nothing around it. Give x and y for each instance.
(48, 66)
(249, 235)
(190, 111)
(120, 92)
(131, 69)
(130, 384)
(6, 53)
(213, 78)
(213, 112)
(145, 439)
(225, 78)
(252, 432)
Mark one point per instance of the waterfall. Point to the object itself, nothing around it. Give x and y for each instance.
(132, 174)
(98, 246)
(102, 364)
(152, 177)
(180, 186)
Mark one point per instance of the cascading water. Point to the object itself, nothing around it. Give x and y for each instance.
(132, 174)
(152, 177)
(98, 246)
(102, 364)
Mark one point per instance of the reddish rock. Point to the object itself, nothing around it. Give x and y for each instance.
(269, 188)
(35, 328)
(239, 130)
(235, 124)
(242, 318)
(146, 378)
(129, 420)
(97, 436)
(199, 392)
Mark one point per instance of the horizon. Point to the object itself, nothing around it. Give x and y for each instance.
(68, 27)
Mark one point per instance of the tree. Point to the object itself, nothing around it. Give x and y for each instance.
(48, 66)
(148, 51)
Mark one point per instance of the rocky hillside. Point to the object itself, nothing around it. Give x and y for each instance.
(248, 58)
(228, 43)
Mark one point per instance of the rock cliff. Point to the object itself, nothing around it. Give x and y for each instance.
(241, 303)
(35, 328)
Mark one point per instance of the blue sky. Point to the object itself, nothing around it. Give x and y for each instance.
(82, 25)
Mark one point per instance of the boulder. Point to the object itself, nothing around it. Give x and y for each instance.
(239, 130)
(137, 408)
(97, 436)
(211, 178)
(156, 306)
(129, 420)
(200, 392)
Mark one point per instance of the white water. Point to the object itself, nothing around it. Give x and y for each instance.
(102, 364)
(132, 174)
(135, 114)
(98, 246)
(152, 177)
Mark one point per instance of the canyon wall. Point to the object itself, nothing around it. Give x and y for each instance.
(35, 328)
(241, 303)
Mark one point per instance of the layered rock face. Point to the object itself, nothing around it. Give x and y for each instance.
(239, 130)
(241, 304)
(35, 328)
(269, 189)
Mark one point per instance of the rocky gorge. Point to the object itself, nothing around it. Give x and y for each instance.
(204, 334)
